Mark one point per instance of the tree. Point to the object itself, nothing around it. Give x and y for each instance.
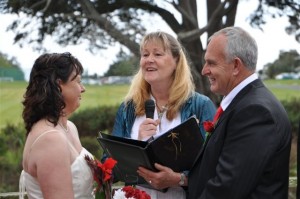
(10, 69)
(125, 65)
(6, 61)
(103, 22)
(287, 62)
(279, 8)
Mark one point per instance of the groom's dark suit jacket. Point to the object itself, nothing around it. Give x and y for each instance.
(247, 156)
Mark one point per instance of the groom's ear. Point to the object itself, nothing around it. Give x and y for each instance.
(237, 66)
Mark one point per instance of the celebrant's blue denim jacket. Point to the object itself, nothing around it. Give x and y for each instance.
(199, 105)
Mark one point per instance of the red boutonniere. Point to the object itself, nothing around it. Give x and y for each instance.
(209, 127)
(102, 174)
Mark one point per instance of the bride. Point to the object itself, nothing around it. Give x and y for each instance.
(53, 157)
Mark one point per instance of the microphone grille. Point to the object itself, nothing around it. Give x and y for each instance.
(149, 103)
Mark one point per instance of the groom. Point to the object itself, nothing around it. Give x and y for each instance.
(247, 154)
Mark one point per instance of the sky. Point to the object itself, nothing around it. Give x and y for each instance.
(270, 42)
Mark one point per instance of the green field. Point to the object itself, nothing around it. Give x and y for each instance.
(11, 96)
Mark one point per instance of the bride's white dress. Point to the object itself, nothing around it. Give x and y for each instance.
(82, 179)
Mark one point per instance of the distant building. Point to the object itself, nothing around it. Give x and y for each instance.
(116, 80)
(107, 80)
(288, 76)
(91, 81)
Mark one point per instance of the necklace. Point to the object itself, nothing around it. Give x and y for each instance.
(160, 112)
(65, 129)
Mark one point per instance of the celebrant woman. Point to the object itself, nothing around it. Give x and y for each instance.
(164, 76)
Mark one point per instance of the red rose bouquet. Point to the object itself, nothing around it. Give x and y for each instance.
(102, 175)
(130, 192)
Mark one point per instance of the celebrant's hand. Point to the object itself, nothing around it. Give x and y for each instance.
(164, 178)
(148, 128)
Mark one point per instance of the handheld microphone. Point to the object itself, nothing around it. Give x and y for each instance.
(149, 108)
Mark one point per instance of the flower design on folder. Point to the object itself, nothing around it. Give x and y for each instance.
(174, 138)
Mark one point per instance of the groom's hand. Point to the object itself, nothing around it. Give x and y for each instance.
(163, 178)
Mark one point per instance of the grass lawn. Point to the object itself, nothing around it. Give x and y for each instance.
(11, 96)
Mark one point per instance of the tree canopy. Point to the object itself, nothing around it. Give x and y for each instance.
(104, 22)
(125, 65)
(287, 61)
(5, 61)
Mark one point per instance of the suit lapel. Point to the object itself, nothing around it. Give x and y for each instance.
(238, 97)
(235, 101)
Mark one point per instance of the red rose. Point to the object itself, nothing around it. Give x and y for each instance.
(208, 126)
(107, 167)
(132, 192)
(102, 173)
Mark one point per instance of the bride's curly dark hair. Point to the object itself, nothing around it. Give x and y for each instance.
(43, 98)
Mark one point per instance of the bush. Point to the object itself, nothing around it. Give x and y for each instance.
(92, 145)
(92, 120)
(292, 107)
(12, 141)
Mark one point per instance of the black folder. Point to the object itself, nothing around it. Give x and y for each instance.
(177, 149)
